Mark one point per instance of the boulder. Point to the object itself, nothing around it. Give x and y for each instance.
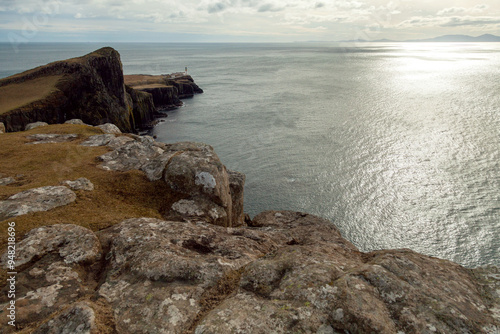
(75, 121)
(109, 128)
(34, 125)
(35, 200)
(80, 184)
(191, 170)
(2, 127)
(51, 138)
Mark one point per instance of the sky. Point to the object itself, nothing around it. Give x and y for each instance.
(23, 21)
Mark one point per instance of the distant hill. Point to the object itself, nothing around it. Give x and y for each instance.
(460, 39)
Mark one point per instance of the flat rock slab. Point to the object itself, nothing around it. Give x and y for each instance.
(98, 140)
(80, 184)
(51, 138)
(6, 181)
(35, 200)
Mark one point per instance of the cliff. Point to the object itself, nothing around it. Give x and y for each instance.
(91, 88)
(121, 234)
(167, 90)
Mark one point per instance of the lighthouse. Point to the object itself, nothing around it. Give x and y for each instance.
(186, 71)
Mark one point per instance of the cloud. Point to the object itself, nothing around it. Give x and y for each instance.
(453, 21)
(216, 7)
(462, 10)
(269, 8)
(471, 21)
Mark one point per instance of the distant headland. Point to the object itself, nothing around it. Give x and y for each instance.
(440, 39)
(91, 88)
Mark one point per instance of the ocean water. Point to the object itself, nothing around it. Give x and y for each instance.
(397, 144)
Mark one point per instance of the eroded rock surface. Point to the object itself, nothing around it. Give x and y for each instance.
(288, 272)
(51, 138)
(34, 200)
(80, 184)
(191, 170)
(109, 128)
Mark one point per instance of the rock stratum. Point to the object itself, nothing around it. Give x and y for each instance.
(91, 88)
(118, 233)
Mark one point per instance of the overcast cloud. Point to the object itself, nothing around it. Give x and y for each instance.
(244, 20)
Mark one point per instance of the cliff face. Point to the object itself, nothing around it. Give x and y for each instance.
(167, 90)
(90, 88)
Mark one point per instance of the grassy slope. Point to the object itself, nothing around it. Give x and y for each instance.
(20, 94)
(117, 195)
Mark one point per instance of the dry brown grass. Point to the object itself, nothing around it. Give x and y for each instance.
(19, 94)
(117, 195)
(135, 80)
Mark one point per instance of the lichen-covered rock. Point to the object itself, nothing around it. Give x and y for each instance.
(109, 128)
(98, 140)
(288, 272)
(196, 171)
(54, 264)
(74, 244)
(75, 121)
(191, 170)
(51, 138)
(80, 318)
(80, 184)
(167, 268)
(329, 285)
(34, 125)
(34, 200)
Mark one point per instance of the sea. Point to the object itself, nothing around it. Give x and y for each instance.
(397, 144)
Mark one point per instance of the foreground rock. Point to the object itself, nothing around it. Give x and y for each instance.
(205, 189)
(35, 200)
(289, 272)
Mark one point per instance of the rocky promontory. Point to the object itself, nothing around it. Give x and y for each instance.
(167, 90)
(91, 88)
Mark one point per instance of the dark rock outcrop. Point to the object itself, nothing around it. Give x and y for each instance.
(90, 88)
(166, 90)
(289, 272)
